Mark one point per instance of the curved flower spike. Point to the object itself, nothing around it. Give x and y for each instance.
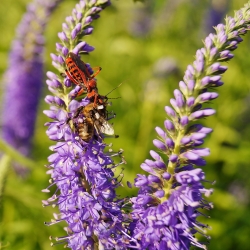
(165, 211)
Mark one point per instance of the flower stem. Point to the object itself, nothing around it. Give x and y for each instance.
(15, 155)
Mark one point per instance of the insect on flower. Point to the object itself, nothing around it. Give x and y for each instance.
(89, 118)
(78, 73)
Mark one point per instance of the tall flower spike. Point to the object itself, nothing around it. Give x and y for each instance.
(24, 76)
(80, 169)
(165, 211)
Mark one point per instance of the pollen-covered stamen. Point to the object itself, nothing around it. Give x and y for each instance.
(60, 240)
(119, 163)
(53, 222)
(118, 153)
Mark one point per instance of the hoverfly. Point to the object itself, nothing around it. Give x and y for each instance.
(78, 73)
(88, 119)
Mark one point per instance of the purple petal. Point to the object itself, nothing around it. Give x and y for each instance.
(201, 113)
(159, 144)
(184, 121)
(206, 97)
(169, 143)
(185, 140)
(51, 114)
(160, 132)
(166, 176)
(154, 155)
(171, 113)
(169, 125)
(173, 158)
(63, 36)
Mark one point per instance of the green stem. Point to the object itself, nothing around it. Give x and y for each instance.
(171, 166)
(4, 167)
(15, 155)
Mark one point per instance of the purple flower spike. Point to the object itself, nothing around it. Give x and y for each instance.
(24, 76)
(79, 166)
(164, 213)
(168, 220)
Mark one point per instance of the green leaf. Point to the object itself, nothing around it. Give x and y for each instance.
(15, 155)
(4, 167)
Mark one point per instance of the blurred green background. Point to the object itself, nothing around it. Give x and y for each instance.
(147, 47)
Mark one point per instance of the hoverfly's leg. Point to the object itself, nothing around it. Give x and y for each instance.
(78, 111)
(110, 115)
(98, 131)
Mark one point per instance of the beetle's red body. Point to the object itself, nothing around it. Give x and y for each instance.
(78, 73)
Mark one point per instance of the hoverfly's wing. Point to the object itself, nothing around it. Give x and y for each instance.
(104, 127)
(107, 128)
